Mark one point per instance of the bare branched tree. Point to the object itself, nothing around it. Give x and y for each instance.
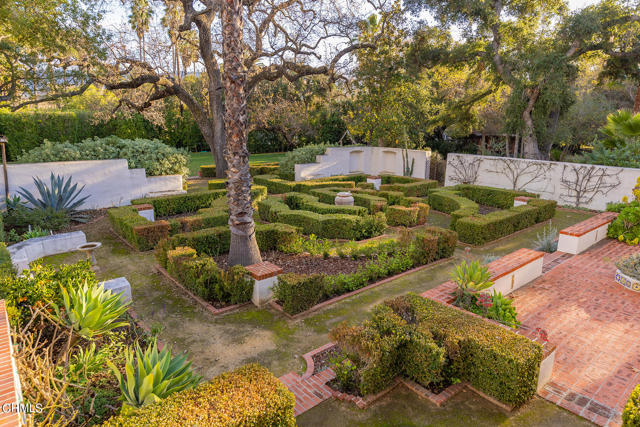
(463, 170)
(582, 183)
(522, 173)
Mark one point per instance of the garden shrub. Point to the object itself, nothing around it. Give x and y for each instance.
(447, 240)
(419, 188)
(430, 341)
(626, 227)
(310, 203)
(298, 293)
(181, 203)
(402, 216)
(365, 185)
(546, 208)
(490, 196)
(307, 186)
(358, 178)
(140, 232)
(274, 184)
(215, 241)
(208, 171)
(423, 212)
(21, 217)
(330, 226)
(217, 184)
(480, 229)
(41, 284)
(451, 203)
(395, 179)
(6, 266)
(202, 276)
(424, 248)
(306, 154)
(247, 396)
(154, 156)
(631, 413)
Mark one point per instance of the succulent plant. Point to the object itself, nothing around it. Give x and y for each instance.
(547, 241)
(471, 277)
(90, 310)
(60, 195)
(153, 375)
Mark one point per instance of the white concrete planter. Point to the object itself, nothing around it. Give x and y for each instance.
(30, 250)
(344, 198)
(376, 181)
(627, 281)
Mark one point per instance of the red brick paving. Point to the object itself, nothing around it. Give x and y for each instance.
(595, 324)
(9, 383)
(308, 391)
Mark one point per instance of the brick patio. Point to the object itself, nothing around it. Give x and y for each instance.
(595, 324)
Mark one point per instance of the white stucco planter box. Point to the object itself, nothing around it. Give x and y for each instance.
(146, 211)
(23, 253)
(581, 236)
(120, 286)
(546, 369)
(627, 281)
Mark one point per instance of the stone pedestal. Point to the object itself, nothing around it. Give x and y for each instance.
(265, 274)
(146, 211)
(376, 181)
(344, 198)
(119, 286)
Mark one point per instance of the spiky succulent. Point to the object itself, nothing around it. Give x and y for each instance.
(59, 195)
(471, 277)
(153, 375)
(91, 310)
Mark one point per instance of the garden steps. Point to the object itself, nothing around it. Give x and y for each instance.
(581, 236)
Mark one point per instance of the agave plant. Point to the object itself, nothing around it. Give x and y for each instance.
(90, 310)
(471, 277)
(153, 376)
(60, 195)
(13, 202)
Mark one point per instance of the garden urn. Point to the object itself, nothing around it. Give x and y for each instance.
(344, 198)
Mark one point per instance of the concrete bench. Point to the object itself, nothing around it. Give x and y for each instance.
(581, 236)
(515, 270)
(23, 253)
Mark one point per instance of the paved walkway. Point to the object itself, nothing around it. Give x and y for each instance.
(595, 324)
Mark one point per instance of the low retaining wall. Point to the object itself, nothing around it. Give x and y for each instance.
(515, 270)
(573, 184)
(367, 160)
(10, 391)
(581, 236)
(23, 253)
(108, 182)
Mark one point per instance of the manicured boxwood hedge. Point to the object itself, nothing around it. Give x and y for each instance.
(192, 202)
(546, 208)
(247, 396)
(209, 171)
(202, 276)
(428, 341)
(360, 198)
(490, 196)
(480, 229)
(402, 216)
(412, 189)
(216, 240)
(181, 203)
(330, 226)
(631, 413)
(276, 185)
(310, 203)
(143, 234)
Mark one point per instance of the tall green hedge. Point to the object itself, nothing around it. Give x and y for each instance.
(428, 341)
(497, 197)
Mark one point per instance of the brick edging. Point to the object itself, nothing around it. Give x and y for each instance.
(10, 388)
(334, 300)
(308, 358)
(210, 308)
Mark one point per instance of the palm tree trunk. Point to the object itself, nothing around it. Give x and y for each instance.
(636, 101)
(244, 247)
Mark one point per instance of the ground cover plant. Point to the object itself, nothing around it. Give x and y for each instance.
(436, 345)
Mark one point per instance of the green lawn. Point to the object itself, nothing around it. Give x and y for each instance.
(205, 158)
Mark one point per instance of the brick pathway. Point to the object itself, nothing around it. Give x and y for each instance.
(595, 324)
(309, 391)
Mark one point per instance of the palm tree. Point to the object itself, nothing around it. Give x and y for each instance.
(139, 20)
(244, 247)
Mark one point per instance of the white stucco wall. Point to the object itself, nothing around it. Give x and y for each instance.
(108, 182)
(368, 160)
(573, 184)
